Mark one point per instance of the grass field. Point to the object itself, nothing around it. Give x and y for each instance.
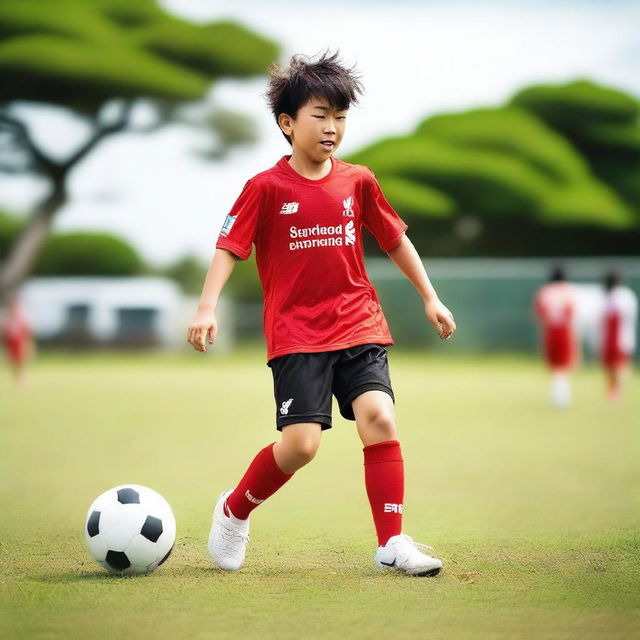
(534, 512)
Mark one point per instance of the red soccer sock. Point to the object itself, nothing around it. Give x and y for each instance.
(261, 480)
(384, 480)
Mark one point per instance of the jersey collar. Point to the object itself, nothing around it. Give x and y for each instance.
(283, 163)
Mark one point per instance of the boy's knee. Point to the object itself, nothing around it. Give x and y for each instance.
(306, 451)
(382, 422)
(301, 444)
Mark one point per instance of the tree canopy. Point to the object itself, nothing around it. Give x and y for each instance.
(564, 159)
(83, 53)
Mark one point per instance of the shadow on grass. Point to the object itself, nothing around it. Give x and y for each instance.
(198, 572)
(69, 577)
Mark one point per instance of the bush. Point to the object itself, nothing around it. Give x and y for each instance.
(88, 254)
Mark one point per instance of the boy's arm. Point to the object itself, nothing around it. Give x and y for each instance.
(408, 261)
(204, 323)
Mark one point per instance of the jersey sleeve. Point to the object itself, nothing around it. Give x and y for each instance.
(239, 227)
(378, 216)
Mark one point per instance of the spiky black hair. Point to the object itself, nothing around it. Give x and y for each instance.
(290, 88)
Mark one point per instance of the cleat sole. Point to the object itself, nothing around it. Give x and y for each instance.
(428, 574)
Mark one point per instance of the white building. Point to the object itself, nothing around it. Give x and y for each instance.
(103, 311)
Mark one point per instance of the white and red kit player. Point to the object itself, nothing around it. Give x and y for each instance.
(555, 306)
(16, 331)
(618, 331)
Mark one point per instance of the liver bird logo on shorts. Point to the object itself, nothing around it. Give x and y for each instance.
(284, 409)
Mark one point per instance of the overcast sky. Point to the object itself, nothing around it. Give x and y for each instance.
(417, 58)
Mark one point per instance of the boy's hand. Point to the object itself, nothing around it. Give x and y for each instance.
(441, 318)
(203, 326)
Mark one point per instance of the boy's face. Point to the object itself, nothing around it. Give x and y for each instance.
(317, 122)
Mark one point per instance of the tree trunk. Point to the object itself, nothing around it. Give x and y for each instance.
(26, 248)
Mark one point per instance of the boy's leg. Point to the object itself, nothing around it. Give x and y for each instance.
(273, 467)
(560, 387)
(384, 479)
(383, 463)
(362, 385)
(614, 378)
(302, 391)
(230, 528)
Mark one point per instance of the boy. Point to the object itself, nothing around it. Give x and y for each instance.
(618, 330)
(324, 327)
(18, 340)
(555, 307)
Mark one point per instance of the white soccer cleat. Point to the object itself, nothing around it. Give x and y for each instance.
(401, 553)
(227, 539)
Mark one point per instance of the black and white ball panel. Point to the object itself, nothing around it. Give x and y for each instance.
(92, 523)
(128, 495)
(152, 528)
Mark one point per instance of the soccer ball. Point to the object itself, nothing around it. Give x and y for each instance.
(130, 529)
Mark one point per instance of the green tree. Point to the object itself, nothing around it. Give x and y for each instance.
(601, 122)
(505, 180)
(94, 58)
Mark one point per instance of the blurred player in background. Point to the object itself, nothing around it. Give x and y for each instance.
(16, 332)
(618, 330)
(555, 307)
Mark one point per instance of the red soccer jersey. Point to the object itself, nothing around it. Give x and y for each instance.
(308, 239)
(555, 304)
(17, 332)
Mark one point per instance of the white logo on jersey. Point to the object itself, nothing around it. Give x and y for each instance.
(349, 233)
(390, 507)
(348, 207)
(317, 236)
(228, 223)
(289, 207)
(284, 409)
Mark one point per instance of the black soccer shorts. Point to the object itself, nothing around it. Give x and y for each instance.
(303, 382)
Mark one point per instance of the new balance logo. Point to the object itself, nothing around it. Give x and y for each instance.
(348, 207)
(250, 498)
(349, 233)
(289, 207)
(390, 507)
(284, 409)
